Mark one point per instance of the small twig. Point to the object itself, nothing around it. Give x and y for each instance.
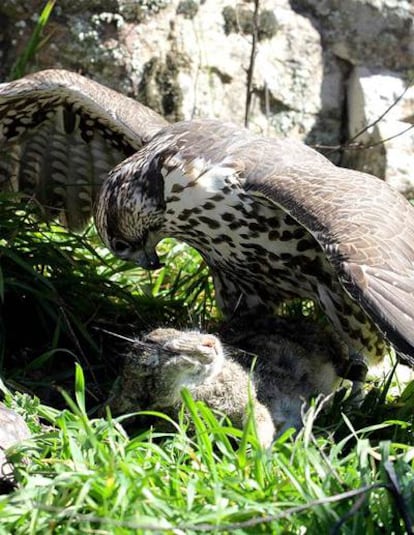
(361, 146)
(72, 333)
(256, 521)
(250, 70)
(359, 502)
(382, 141)
(351, 145)
(267, 105)
(381, 117)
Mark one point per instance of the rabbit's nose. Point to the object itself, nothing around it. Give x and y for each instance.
(210, 341)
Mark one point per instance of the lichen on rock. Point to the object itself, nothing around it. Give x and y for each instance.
(189, 58)
(159, 88)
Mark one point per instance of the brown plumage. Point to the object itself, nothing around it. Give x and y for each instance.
(61, 133)
(272, 218)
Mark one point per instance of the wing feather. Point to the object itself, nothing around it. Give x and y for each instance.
(60, 134)
(365, 227)
(387, 297)
(366, 230)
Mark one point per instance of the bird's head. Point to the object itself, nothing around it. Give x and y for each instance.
(129, 214)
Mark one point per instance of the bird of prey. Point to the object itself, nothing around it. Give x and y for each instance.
(272, 218)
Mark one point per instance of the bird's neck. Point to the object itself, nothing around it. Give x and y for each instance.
(196, 199)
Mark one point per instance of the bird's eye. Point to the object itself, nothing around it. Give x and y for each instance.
(120, 246)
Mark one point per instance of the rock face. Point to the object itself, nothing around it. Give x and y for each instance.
(320, 70)
(372, 93)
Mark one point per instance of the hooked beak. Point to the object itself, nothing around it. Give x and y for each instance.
(146, 258)
(143, 253)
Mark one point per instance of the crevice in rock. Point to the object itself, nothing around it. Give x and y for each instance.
(269, 105)
(346, 69)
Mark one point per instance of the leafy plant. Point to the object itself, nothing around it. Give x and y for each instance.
(87, 475)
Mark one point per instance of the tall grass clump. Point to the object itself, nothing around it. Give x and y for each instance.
(60, 292)
(86, 475)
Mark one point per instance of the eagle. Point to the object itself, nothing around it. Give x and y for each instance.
(272, 218)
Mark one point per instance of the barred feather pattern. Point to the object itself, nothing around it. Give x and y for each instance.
(60, 134)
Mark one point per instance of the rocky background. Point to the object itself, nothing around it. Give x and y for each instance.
(318, 70)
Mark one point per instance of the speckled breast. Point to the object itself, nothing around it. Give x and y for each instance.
(260, 255)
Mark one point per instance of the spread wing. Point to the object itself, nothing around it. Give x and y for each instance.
(61, 133)
(365, 228)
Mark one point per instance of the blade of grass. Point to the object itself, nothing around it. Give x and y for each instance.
(20, 67)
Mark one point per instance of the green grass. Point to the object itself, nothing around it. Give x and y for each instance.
(348, 471)
(88, 476)
(36, 41)
(61, 292)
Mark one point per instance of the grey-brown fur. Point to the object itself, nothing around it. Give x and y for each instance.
(284, 376)
(13, 429)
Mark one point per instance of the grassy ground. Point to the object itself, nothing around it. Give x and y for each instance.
(348, 471)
